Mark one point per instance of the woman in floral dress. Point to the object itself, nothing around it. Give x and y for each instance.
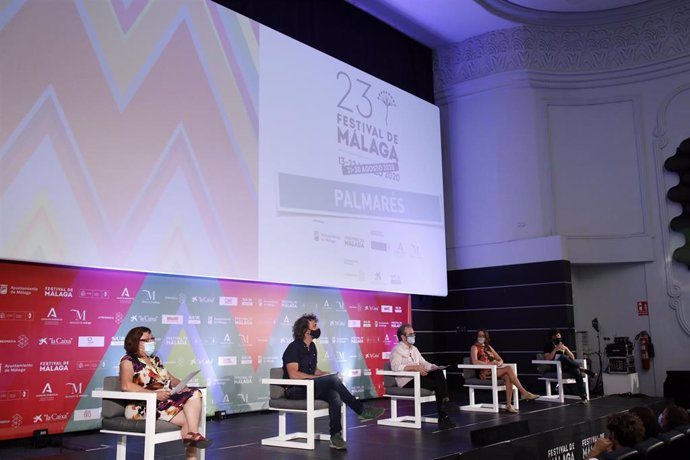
(141, 371)
(483, 353)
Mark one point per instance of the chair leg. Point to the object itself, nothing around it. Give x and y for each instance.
(121, 449)
(149, 448)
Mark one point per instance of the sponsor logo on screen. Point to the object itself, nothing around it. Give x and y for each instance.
(366, 323)
(243, 379)
(55, 341)
(386, 308)
(372, 355)
(125, 296)
(354, 373)
(94, 294)
(74, 389)
(87, 341)
(386, 355)
(15, 368)
(354, 323)
(203, 299)
(227, 360)
(47, 393)
(371, 308)
(338, 356)
(88, 365)
(396, 279)
(81, 415)
(356, 339)
(51, 318)
(143, 319)
(172, 319)
(247, 302)
(51, 417)
(245, 360)
(16, 315)
(387, 339)
(243, 321)
(58, 291)
(117, 341)
(381, 324)
(194, 319)
(336, 323)
(17, 290)
(79, 317)
(379, 246)
(396, 323)
(227, 301)
(148, 296)
(398, 309)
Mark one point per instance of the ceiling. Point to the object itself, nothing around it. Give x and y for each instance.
(439, 22)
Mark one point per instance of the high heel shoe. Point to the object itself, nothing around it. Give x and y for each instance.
(511, 409)
(196, 440)
(529, 396)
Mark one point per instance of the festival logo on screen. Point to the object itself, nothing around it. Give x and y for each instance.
(58, 291)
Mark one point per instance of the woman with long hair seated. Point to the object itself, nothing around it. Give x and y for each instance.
(483, 353)
(142, 371)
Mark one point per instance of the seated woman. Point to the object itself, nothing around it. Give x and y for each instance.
(482, 353)
(141, 371)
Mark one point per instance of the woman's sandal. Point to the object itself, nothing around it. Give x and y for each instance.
(196, 440)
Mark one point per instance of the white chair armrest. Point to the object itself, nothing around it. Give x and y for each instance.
(477, 366)
(127, 395)
(397, 373)
(300, 382)
(546, 362)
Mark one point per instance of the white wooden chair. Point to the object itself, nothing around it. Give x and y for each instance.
(552, 372)
(473, 382)
(152, 430)
(312, 408)
(417, 394)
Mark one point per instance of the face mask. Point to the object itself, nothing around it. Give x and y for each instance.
(149, 348)
(481, 340)
(315, 334)
(556, 341)
(410, 340)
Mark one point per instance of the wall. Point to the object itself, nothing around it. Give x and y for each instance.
(555, 139)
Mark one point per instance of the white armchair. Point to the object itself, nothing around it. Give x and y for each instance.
(152, 430)
(310, 407)
(417, 394)
(473, 382)
(552, 372)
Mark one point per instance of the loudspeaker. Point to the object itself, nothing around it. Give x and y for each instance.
(499, 433)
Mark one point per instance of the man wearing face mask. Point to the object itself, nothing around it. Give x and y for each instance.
(300, 362)
(555, 349)
(406, 357)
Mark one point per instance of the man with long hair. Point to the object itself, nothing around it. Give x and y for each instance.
(300, 361)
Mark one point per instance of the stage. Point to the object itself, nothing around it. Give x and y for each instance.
(556, 431)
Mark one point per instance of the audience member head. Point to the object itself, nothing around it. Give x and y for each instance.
(133, 338)
(483, 336)
(301, 326)
(626, 429)
(672, 417)
(646, 414)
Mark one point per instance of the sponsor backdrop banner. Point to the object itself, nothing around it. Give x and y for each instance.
(62, 331)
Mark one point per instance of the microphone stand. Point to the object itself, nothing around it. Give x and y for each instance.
(598, 385)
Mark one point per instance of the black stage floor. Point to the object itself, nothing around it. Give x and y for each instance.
(240, 436)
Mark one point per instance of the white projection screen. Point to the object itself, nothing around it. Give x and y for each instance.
(180, 137)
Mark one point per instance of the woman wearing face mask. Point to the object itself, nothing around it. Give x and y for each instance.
(142, 371)
(483, 353)
(555, 349)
